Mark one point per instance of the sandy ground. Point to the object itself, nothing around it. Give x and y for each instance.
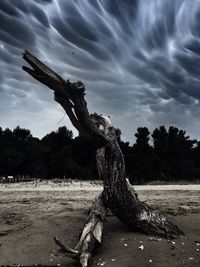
(32, 213)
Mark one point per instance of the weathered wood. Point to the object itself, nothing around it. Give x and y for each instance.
(69, 95)
(118, 194)
(91, 234)
(121, 197)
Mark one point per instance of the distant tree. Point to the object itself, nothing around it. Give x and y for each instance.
(142, 136)
(141, 157)
(181, 154)
(10, 156)
(34, 161)
(84, 156)
(196, 155)
(173, 153)
(57, 139)
(21, 133)
(59, 157)
(161, 152)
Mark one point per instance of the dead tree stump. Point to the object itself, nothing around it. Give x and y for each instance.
(118, 194)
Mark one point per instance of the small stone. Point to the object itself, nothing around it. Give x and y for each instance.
(125, 245)
(141, 247)
(150, 261)
(103, 263)
(197, 250)
(140, 242)
(113, 260)
(191, 258)
(182, 244)
(198, 244)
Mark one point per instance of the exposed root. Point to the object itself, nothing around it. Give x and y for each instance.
(91, 234)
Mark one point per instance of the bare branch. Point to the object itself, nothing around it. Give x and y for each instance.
(69, 95)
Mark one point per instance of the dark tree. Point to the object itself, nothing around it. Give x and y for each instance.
(22, 134)
(59, 159)
(139, 158)
(142, 156)
(160, 141)
(196, 157)
(84, 155)
(173, 153)
(118, 194)
(10, 156)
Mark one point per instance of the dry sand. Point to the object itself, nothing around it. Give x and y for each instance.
(32, 213)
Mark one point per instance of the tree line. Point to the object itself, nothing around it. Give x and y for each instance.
(166, 154)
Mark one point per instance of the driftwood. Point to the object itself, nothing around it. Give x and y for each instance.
(118, 194)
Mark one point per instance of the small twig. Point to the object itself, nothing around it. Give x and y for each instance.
(72, 253)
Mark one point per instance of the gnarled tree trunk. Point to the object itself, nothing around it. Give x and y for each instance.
(118, 194)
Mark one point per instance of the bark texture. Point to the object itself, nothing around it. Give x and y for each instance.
(118, 194)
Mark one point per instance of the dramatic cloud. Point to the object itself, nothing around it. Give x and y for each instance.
(138, 59)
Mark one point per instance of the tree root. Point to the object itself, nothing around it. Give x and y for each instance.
(150, 222)
(91, 234)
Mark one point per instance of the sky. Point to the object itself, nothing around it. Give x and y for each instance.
(139, 61)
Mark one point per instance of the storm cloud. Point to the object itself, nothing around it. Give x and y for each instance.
(138, 59)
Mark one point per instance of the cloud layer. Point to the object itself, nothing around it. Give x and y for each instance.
(138, 59)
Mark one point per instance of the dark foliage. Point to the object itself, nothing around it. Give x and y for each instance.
(167, 154)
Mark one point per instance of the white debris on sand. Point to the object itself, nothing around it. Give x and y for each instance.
(155, 239)
(141, 247)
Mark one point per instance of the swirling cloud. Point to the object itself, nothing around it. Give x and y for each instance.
(138, 59)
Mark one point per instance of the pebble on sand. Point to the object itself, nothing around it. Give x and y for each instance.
(141, 247)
